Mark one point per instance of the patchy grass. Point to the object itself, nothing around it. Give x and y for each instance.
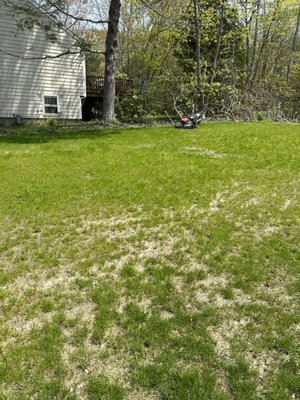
(151, 264)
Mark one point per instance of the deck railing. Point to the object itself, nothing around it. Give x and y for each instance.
(95, 86)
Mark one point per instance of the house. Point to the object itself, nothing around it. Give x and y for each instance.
(42, 70)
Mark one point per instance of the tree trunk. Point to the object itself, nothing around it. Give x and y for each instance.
(218, 47)
(294, 46)
(197, 31)
(255, 40)
(263, 54)
(109, 94)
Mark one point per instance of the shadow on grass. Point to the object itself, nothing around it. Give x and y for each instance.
(31, 137)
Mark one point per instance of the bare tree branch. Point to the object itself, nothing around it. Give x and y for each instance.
(46, 57)
(152, 9)
(77, 18)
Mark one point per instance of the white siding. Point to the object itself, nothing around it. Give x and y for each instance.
(24, 81)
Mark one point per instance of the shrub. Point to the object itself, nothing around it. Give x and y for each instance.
(131, 107)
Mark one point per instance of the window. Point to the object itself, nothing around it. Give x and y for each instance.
(51, 104)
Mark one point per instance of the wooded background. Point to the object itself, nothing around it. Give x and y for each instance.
(237, 59)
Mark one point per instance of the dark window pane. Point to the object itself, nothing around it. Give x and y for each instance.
(51, 110)
(51, 100)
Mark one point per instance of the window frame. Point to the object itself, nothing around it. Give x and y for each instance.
(54, 95)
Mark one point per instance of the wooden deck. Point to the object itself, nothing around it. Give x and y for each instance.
(95, 85)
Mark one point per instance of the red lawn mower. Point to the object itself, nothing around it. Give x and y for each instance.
(187, 122)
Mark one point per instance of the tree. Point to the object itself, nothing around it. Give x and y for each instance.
(294, 44)
(77, 15)
(222, 56)
(108, 114)
(198, 49)
(237, 58)
(148, 37)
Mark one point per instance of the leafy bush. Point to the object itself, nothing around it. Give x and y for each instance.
(131, 107)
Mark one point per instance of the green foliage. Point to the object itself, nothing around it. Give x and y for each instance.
(245, 53)
(131, 107)
(51, 122)
(93, 43)
(260, 116)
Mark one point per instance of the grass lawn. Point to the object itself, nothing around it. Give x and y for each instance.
(151, 264)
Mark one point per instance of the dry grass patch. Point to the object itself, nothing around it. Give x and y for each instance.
(146, 266)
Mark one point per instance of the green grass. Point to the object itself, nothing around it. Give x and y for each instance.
(150, 263)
